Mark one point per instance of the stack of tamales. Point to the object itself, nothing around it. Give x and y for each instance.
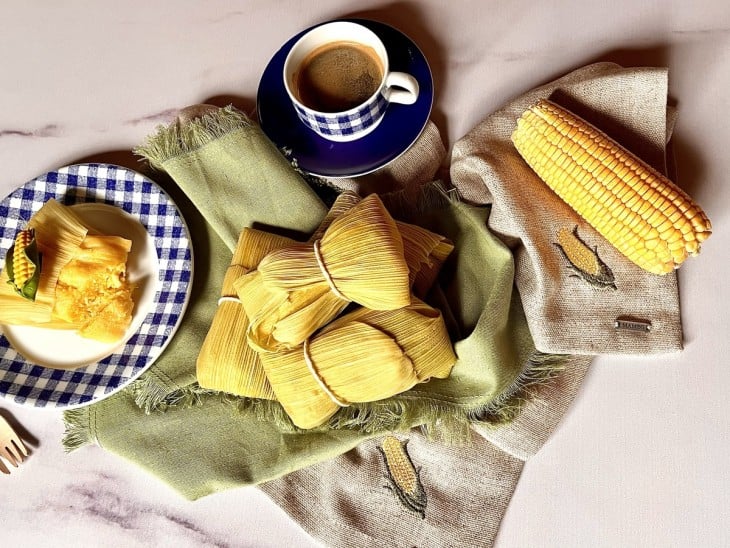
(279, 333)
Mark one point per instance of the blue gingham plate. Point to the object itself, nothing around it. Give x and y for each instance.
(114, 200)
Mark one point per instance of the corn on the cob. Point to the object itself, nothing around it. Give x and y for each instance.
(642, 213)
(23, 265)
(58, 232)
(23, 269)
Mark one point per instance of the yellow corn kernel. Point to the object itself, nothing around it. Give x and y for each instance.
(642, 213)
(23, 268)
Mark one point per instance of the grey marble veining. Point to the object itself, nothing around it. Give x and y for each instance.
(49, 130)
(161, 117)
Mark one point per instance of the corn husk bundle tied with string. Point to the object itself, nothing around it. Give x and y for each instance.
(359, 257)
(226, 362)
(424, 251)
(363, 356)
(288, 319)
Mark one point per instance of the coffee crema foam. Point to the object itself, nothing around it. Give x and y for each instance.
(338, 76)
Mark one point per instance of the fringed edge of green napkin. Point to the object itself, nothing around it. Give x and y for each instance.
(541, 369)
(78, 432)
(451, 422)
(199, 125)
(448, 422)
(150, 395)
(193, 130)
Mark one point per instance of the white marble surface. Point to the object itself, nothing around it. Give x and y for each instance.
(640, 459)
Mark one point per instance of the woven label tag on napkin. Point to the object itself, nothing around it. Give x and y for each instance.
(566, 312)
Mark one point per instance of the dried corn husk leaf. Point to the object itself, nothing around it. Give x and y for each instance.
(281, 319)
(226, 362)
(342, 204)
(58, 233)
(366, 355)
(425, 253)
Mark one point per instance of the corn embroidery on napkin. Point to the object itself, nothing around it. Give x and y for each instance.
(403, 491)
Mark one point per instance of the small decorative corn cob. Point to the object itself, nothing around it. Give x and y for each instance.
(638, 210)
(22, 265)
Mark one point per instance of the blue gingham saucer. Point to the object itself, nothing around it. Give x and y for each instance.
(117, 201)
(399, 129)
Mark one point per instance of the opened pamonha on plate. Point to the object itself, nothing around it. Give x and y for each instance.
(96, 280)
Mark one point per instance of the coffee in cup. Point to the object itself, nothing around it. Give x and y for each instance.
(337, 77)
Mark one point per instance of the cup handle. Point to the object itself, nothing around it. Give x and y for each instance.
(408, 93)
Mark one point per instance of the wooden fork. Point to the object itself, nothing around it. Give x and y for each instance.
(11, 446)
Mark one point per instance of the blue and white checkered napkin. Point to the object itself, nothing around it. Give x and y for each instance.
(31, 384)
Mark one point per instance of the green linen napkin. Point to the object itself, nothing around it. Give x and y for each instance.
(233, 175)
(220, 190)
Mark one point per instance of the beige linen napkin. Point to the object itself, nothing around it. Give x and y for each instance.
(420, 164)
(460, 494)
(565, 313)
(352, 502)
